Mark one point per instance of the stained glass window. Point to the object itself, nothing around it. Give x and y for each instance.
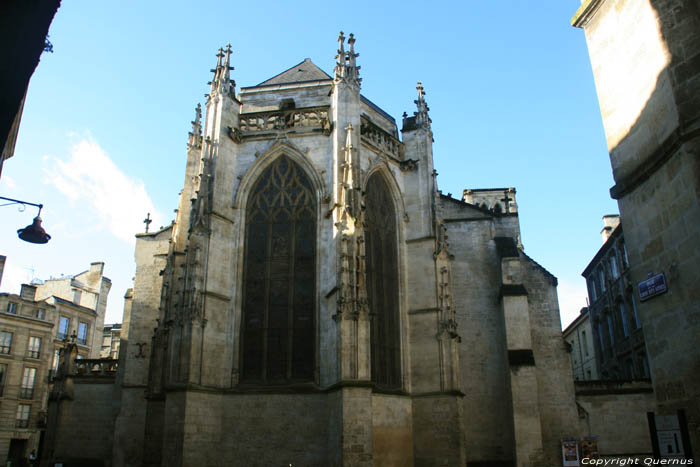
(278, 338)
(382, 282)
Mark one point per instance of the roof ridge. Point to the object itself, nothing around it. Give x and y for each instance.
(306, 60)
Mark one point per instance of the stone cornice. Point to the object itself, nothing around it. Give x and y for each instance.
(585, 13)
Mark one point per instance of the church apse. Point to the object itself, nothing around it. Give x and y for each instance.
(317, 301)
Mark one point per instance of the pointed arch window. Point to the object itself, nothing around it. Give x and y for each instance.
(381, 254)
(278, 329)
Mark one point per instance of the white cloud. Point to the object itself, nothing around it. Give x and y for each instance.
(13, 277)
(93, 181)
(572, 297)
(8, 182)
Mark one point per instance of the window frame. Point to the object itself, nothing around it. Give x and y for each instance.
(59, 333)
(4, 368)
(290, 224)
(82, 326)
(22, 416)
(26, 389)
(6, 349)
(33, 350)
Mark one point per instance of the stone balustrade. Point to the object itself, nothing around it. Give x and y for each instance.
(381, 139)
(307, 118)
(95, 366)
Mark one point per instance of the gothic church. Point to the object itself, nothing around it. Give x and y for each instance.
(317, 301)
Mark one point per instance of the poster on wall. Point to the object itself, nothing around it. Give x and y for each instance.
(589, 448)
(569, 452)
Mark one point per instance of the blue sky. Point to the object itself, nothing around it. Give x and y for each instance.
(102, 141)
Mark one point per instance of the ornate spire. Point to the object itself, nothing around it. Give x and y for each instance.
(222, 83)
(422, 118)
(195, 136)
(346, 68)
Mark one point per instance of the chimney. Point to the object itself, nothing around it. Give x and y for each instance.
(97, 267)
(28, 291)
(610, 223)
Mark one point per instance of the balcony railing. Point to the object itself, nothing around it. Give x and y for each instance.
(381, 139)
(311, 118)
(96, 366)
(22, 423)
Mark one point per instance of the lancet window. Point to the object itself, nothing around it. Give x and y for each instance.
(278, 328)
(381, 255)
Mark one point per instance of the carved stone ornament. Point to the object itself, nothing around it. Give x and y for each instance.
(234, 134)
(409, 165)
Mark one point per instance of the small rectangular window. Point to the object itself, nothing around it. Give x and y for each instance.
(3, 376)
(585, 343)
(636, 316)
(591, 288)
(63, 324)
(613, 267)
(27, 389)
(34, 347)
(5, 342)
(611, 333)
(40, 313)
(82, 333)
(12, 308)
(623, 317)
(23, 411)
(601, 277)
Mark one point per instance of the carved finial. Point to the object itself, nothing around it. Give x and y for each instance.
(346, 66)
(222, 82)
(195, 136)
(227, 68)
(340, 58)
(422, 118)
(351, 54)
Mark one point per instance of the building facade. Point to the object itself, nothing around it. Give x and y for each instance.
(110, 341)
(579, 335)
(34, 327)
(644, 55)
(618, 337)
(317, 301)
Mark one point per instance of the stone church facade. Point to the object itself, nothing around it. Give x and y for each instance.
(317, 301)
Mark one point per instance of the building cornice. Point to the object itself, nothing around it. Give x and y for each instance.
(585, 13)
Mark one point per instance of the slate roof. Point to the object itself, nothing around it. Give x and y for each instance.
(301, 73)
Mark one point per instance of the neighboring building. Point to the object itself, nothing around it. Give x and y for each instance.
(110, 341)
(25, 25)
(318, 301)
(88, 290)
(645, 55)
(618, 337)
(579, 336)
(33, 330)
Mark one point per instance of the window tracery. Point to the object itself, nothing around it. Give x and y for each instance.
(278, 329)
(382, 282)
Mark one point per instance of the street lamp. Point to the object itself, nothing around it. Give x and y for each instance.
(34, 232)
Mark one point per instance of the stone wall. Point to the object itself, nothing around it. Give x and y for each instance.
(616, 413)
(552, 360)
(81, 435)
(646, 61)
(483, 359)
